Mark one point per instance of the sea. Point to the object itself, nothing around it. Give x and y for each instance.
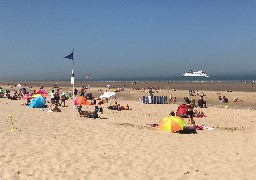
(218, 78)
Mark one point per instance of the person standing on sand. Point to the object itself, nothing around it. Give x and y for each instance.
(75, 92)
(170, 101)
(70, 93)
(190, 112)
(82, 91)
(57, 97)
(52, 97)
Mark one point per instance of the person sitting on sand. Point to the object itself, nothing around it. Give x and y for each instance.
(224, 99)
(27, 103)
(15, 96)
(82, 113)
(89, 114)
(55, 108)
(201, 102)
(172, 113)
(198, 113)
(118, 107)
(127, 107)
(115, 106)
(79, 109)
(124, 107)
(187, 100)
(99, 109)
(63, 99)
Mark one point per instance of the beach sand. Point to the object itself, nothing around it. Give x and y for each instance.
(119, 145)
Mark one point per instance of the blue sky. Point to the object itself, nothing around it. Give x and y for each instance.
(126, 38)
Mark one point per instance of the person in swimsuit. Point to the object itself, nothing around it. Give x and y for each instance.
(190, 112)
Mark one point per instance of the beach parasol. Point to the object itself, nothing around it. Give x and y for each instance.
(81, 101)
(107, 94)
(172, 124)
(41, 91)
(37, 95)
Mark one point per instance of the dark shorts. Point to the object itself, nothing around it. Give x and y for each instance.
(190, 113)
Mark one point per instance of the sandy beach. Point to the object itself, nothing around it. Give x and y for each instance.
(120, 144)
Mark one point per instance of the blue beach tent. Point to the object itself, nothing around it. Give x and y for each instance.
(38, 102)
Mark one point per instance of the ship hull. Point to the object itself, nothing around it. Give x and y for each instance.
(194, 75)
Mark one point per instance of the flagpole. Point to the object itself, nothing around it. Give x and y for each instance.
(73, 75)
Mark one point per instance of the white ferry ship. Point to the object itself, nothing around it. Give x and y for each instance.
(195, 74)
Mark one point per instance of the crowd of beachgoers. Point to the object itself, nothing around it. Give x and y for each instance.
(118, 133)
(191, 106)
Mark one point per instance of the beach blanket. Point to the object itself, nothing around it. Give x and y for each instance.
(202, 127)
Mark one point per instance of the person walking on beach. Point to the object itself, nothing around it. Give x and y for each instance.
(190, 112)
(170, 101)
(52, 97)
(57, 97)
(82, 91)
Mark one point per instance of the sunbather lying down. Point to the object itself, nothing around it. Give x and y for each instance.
(119, 107)
(90, 114)
(124, 107)
(101, 102)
